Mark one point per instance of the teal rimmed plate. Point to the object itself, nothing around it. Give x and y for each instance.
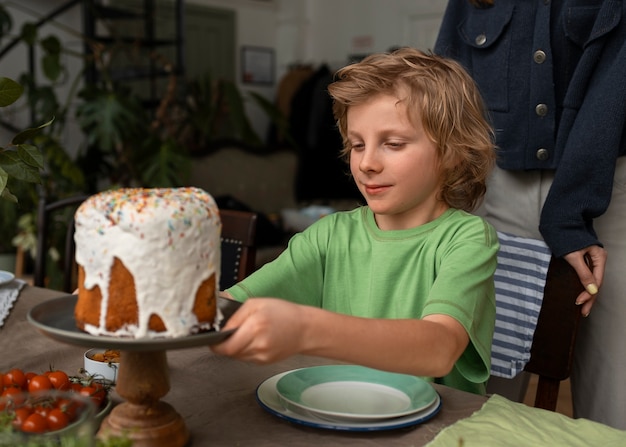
(353, 393)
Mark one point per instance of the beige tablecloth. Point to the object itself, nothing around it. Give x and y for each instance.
(216, 395)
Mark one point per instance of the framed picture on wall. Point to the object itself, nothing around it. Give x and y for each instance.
(257, 65)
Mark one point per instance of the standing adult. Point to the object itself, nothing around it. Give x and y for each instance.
(553, 75)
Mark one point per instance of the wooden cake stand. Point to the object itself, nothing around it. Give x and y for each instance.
(143, 379)
(143, 375)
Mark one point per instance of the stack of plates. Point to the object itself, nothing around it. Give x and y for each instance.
(349, 397)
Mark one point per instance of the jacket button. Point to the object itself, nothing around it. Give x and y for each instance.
(542, 154)
(539, 56)
(541, 109)
(480, 39)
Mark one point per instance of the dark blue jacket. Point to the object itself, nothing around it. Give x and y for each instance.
(553, 75)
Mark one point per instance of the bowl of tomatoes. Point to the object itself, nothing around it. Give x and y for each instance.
(49, 417)
(51, 404)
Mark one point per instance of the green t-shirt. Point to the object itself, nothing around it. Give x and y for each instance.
(346, 264)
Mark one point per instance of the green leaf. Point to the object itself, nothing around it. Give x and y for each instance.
(7, 195)
(15, 167)
(10, 91)
(51, 64)
(59, 165)
(4, 178)
(169, 166)
(51, 45)
(30, 155)
(29, 33)
(109, 120)
(27, 134)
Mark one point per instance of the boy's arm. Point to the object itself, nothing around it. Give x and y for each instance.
(270, 330)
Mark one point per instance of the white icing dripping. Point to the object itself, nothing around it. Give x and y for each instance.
(168, 239)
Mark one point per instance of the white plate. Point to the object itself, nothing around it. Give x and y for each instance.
(6, 277)
(354, 393)
(267, 397)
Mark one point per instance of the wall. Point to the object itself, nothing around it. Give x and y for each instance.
(329, 31)
(310, 31)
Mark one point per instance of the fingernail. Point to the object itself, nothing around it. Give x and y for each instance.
(592, 289)
(586, 315)
(578, 303)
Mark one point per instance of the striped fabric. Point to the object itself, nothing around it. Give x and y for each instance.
(519, 280)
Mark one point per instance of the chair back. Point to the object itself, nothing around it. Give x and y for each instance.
(47, 214)
(552, 349)
(238, 246)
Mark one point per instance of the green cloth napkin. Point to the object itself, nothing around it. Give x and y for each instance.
(501, 422)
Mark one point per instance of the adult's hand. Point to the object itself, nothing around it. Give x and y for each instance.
(589, 264)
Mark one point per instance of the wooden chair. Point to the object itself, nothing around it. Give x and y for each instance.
(238, 246)
(46, 213)
(552, 350)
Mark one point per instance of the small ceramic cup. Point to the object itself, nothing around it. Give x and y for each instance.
(100, 369)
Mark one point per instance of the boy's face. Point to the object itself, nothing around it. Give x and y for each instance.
(394, 164)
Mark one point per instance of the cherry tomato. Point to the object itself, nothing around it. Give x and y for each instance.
(14, 395)
(95, 392)
(29, 375)
(43, 409)
(35, 423)
(21, 414)
(15, 377)
(57, 419)
(59, 379)
(69, 407)
(39, 383)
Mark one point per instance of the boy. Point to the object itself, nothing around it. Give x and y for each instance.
(404, 284)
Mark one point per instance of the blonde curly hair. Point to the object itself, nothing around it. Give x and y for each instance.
(446, 98)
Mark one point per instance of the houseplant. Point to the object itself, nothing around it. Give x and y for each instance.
(19, 162)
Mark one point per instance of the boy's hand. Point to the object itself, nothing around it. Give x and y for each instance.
(268, 330)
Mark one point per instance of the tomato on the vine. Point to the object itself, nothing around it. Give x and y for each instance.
(57, 419)
(43, 409)
(15, 377)
(95, 392)
(14, 395)
(21, 414)
(69, 407)
(35, 423)
(29, 375)
(40, 382)
(59, 379)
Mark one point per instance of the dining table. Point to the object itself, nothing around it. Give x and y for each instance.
(215, 395)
